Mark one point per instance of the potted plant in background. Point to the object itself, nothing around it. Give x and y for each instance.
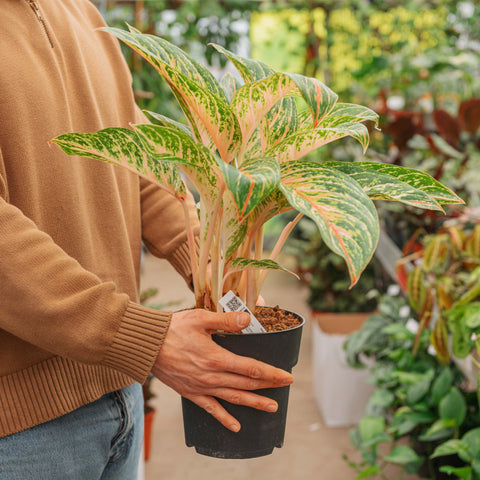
(425, 394)
(242, 151)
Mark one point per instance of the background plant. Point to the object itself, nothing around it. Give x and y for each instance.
(418, 401)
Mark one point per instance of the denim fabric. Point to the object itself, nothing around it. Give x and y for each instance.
(99, 441)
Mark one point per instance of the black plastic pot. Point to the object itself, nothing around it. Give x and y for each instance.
(261, 431)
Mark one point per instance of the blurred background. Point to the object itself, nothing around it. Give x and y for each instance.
(417, 64)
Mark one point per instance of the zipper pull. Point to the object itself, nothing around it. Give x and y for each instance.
(34, 6)
(36, 9)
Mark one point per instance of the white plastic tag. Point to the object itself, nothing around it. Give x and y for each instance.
(231, 303)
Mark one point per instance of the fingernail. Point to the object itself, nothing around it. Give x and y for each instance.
(272, 407)
(235, 428)
(243, 320)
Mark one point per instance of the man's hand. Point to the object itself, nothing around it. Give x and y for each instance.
(197, 368)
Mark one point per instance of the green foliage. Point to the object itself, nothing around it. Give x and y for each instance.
(416, 398)
(447, 267)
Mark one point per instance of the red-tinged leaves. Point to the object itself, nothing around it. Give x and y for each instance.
(416, 288)
(469, 115)
(403, 128)
(472, 243)
(345, 216)
(439, 340)
(448, 127)
(435, 253)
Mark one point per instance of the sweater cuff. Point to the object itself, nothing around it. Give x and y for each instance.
(137, 341)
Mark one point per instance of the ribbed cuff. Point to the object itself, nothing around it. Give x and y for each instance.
(137, 341)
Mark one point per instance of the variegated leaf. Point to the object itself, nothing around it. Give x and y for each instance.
(200, 164)
(380, 186)
(436, 253)
(439, 340)
(123, 147)
(168, 122)
(200, 96)
(255, 180)
(416, 288)
(230, 85)
(344, 214)
(417, 179)
(306, 140)
(157, 50)
(234, 232)
(250, 70)
(320, 99)
(242, 263)
(273, 205)
(254, 100)
(280, 122)
(349, 112)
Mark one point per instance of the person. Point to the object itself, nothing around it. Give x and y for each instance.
(74, 343)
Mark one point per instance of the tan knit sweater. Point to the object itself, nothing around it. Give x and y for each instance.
(71, 229)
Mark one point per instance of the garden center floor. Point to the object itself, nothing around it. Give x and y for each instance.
(311, 450)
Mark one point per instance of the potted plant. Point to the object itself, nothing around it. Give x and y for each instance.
(242, 151)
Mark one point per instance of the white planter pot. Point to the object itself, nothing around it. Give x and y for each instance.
(341, 392)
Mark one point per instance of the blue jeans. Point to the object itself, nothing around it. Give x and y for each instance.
(99, 441)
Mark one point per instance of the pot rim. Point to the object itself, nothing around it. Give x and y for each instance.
(301, 317)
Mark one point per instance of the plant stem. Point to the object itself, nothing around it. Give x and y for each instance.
(278, 247)
(251, 297)
(218, 262)
(206, 245)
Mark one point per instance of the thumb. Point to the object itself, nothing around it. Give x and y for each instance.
(228, 321)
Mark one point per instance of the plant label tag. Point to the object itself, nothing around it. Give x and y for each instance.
(231, 303)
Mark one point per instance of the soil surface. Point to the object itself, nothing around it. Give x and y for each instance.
(274, 318)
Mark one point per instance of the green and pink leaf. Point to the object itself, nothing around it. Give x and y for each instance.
(416, 179)
(123, 147)
(251, 183)
(381, 186)
(307, 140)
(343, 213)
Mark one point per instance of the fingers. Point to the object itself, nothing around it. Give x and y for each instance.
(212, 380)
(213, 407)
(247, 399)
(249, 368)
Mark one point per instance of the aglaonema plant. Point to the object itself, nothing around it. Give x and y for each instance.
(242, 149)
